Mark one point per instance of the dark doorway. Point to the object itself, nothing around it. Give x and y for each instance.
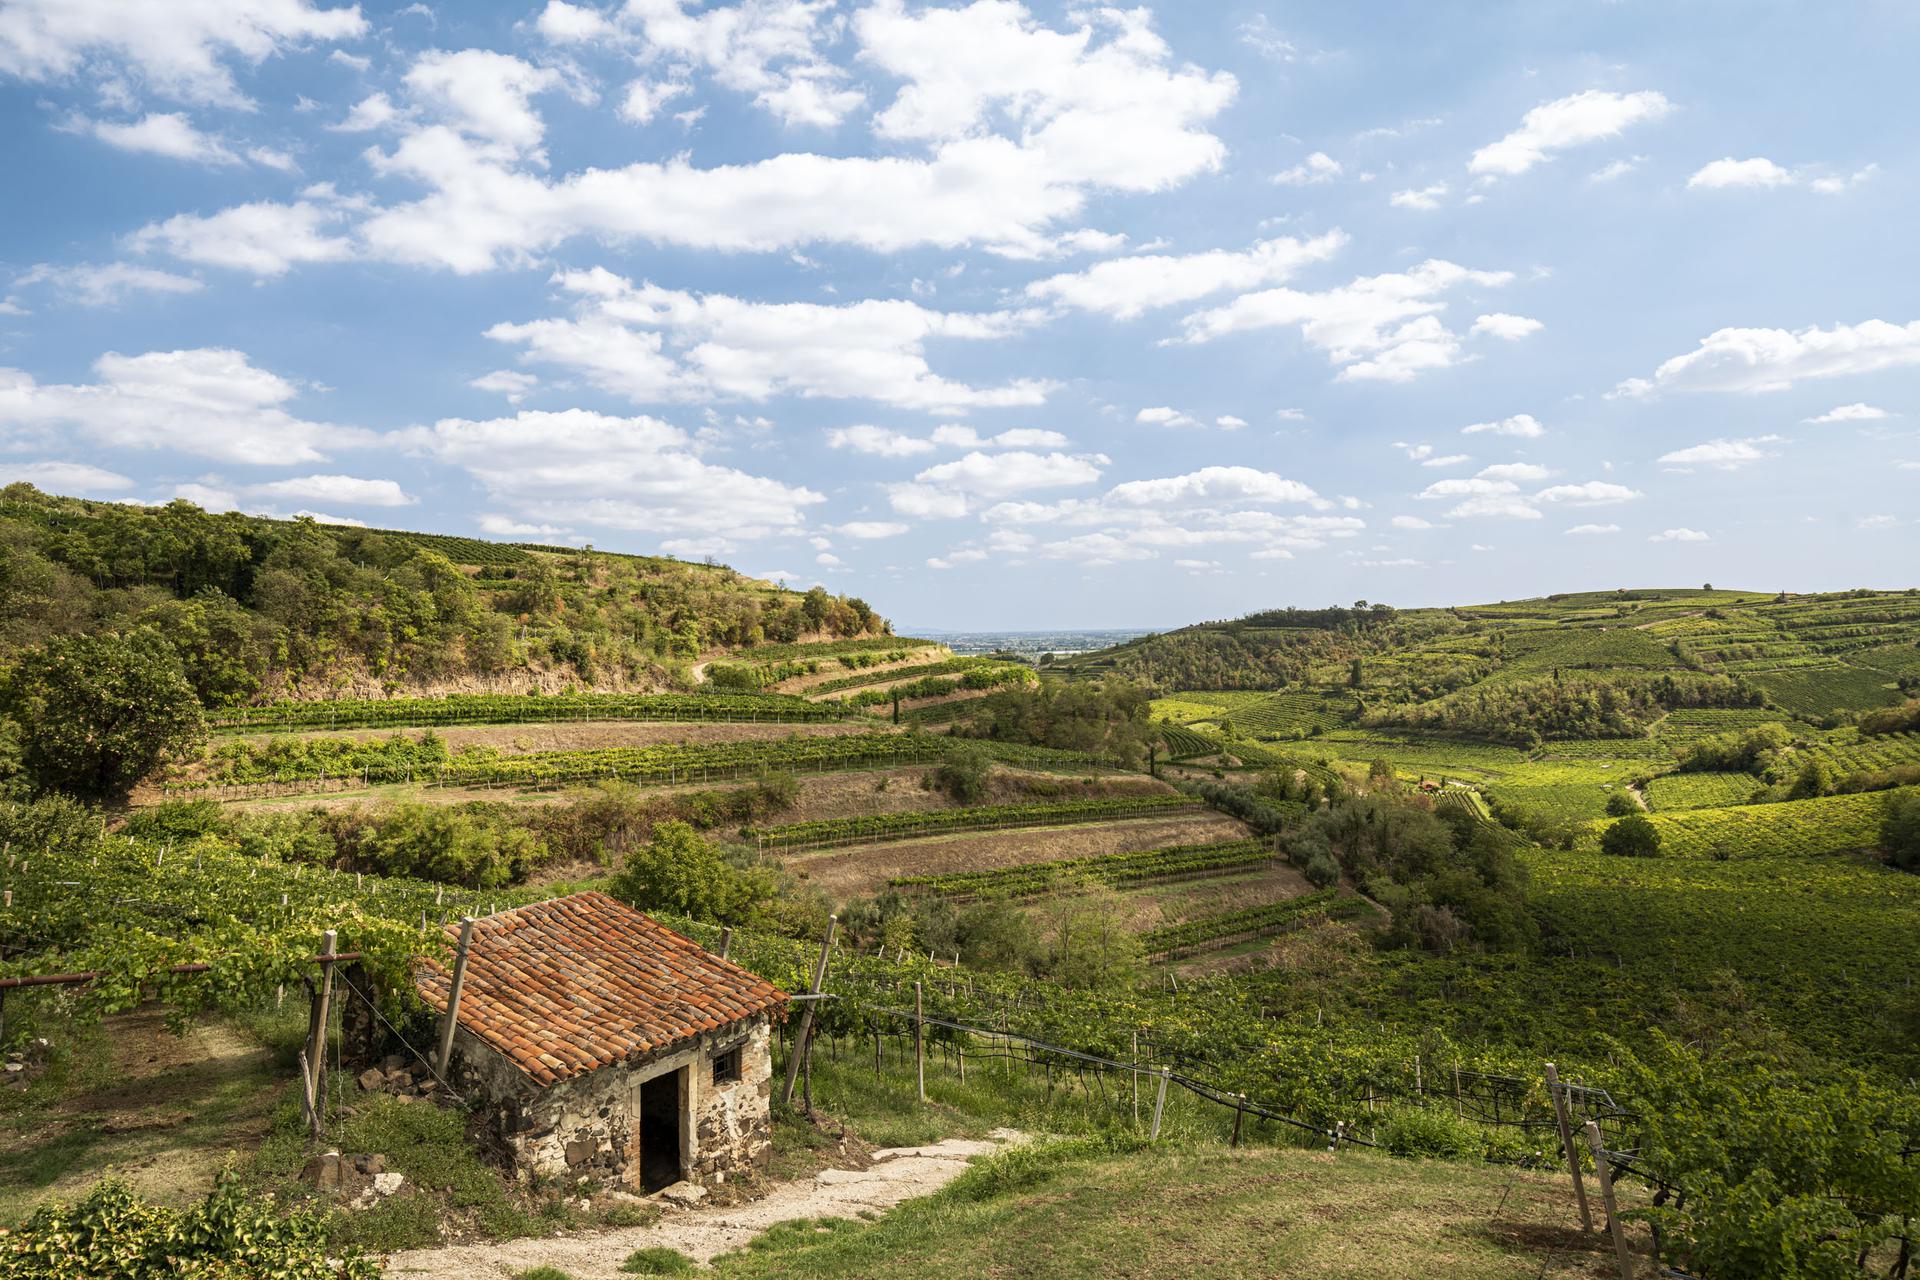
(660, 1130)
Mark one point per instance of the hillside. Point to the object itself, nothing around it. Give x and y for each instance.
(273, 608)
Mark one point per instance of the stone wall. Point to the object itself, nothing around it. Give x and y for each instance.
(587, 1127)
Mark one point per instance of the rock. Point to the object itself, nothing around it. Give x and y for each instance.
(386, 1184)
(325, 1172)
(687, 1194)
(370, 1164)
(392, 1062)
(371, 1080)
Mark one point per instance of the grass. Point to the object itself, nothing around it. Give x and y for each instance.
(658, 1261)
(1075, 1210)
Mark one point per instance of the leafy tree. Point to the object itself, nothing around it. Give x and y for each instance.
(100, 712)
(1620, 804)
(1633, 836)
(682, 872)
(473, 847)
(963, 774)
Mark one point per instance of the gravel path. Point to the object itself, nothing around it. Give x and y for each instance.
(898, 1174)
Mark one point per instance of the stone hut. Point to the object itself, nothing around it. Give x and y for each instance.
(595, 1042)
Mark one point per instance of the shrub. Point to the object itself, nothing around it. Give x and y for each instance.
(658, 1261)
(1417, 1131)
(1900, 831)
(963, 774)
(1620, 804)
(681, 872)
(1633, 836)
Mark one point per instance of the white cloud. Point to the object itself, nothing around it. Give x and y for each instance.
(1495, 507)
(1412, 522)
(1290, 415)
(1446, 460)
(1593, 493)
(1679, 535)
(1164, 416)
(484, 94)
(926, 502)
(826, 559)
(1757, 172)
(1616, 169)
(507, 527)
(1000, 475)
(208, 497)
(353, 62)
(1213, 486)
(1199, 566)
(105, 284)
(1128, 287)
(265, 238)
(1383, 327)
(1228, 422)
(878, 441)
(1856, 412)
(350, 490)
(1112, 111)
(578, 467)
(1566, 122)
(1421, 198)
(1728, 454)
(1585, 530)
(644, 98)
(564, 23)
(510, 383)
(1259, 34)
(1499, 324)
(169, 134)
(1318, 167)
(375, 111)
(957, 436)
(176, 49)
(76, 478)
(272, 159)
(652, 344)
(1525, 472)
(1881, 521)
(1830, 185)
(1522, 425)
(1469, 486)
(1775, 359)
(206, 401)
(871, 530)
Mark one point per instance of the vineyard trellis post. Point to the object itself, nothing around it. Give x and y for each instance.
(1565, 1126)
(444, 1056)
(1159, 1104)
(313, 1064)
(1604, 1177)
(805, 1031)
(919, 1043)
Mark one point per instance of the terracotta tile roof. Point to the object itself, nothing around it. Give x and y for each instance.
(574, 984)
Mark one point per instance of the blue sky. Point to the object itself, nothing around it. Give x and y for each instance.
(999, 315)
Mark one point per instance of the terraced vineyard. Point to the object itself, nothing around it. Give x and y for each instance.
(1857, 754)
(1185, 744)
(880, 828)
(1208, 932)
(1673, 791)
(1830, 824)
(1176, 862)
(492, 708)
(764, 666)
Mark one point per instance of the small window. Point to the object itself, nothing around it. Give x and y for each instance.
(726, 1066)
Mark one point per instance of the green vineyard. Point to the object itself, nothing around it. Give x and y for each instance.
(1830, 824)
(511, 708)
(1031, 879)
(875, 828)
(1208, 932)
(1672, 791)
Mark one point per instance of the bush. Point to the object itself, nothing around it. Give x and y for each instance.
(1417, 1131)
(231, 1235)
(434, 842)
(1620, 804)
(963, 774)
(681, 872)
(1634, 836)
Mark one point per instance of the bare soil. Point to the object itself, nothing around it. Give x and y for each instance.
(847, 873)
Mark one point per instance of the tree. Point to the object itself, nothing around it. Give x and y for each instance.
(1634, 836)
(680, 871)
(1900, 831)
(963, 774)
(1620, 804)
(100, 712)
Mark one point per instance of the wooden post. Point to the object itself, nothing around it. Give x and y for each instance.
(316, 1065)
(1604, 1177)
(806, 1014)
(443, 1057)
(876, 1048)
(726, 941)
(1134, 1077)
(919, 1043)
(1565, 1126)
(1159, 1104)
(1239, 1113)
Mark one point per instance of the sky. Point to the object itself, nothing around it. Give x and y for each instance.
(999, 315)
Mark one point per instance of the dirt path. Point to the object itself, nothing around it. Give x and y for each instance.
(898, 1174)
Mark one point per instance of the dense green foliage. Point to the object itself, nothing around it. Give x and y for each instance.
(1108, 718)
(1527, 711)
(280, 607)
(509, 708)
(1633, 836)
(231, 1235)
(1900, 830)
(92, 715)
(680, 872)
